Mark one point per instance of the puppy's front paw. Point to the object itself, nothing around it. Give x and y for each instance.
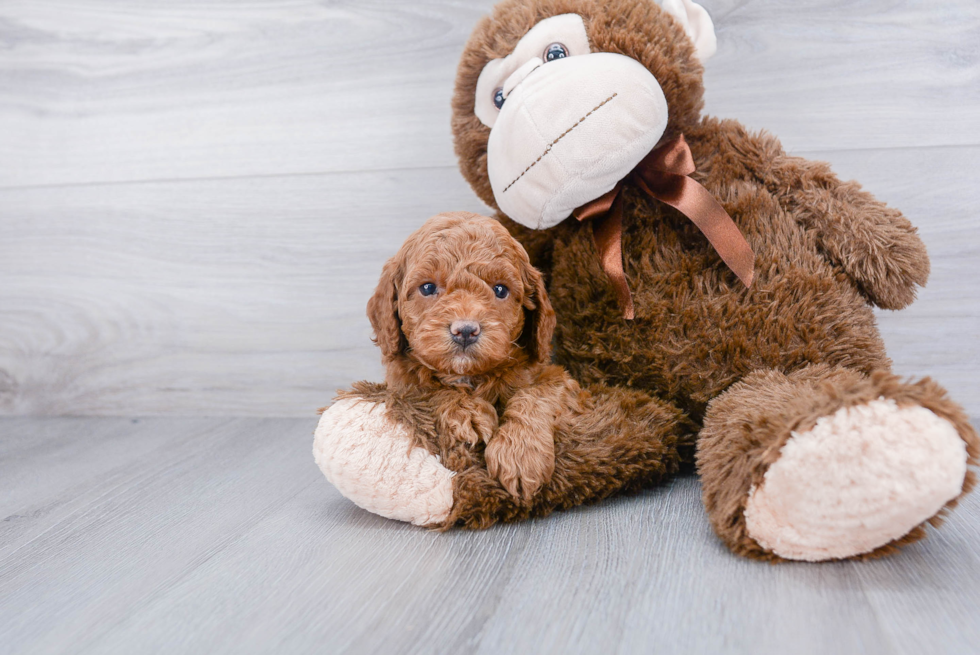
(521, 459)
(467, 419)
(483, 419)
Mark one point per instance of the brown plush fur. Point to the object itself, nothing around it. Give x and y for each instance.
(825, 252)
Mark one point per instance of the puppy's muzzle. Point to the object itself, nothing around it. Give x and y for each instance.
(465, 333)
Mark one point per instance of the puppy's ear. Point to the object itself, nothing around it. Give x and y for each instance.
(539, 317)
(382, 311)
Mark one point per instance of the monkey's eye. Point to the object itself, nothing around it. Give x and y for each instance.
(427, 289)
(498, 97)
(500, 291)
(555, 51)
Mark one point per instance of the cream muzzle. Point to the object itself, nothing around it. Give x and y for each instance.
(568, 131)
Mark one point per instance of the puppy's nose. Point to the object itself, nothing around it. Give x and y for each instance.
(465, 333)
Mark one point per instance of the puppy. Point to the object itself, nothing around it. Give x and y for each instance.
(464, 325)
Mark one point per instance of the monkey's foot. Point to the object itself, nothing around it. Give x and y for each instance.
(372, 461)
(861, 478)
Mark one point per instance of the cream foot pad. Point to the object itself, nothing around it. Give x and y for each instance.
(372, 462)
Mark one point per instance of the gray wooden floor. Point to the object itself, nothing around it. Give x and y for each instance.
(212, 535)
(195, 202)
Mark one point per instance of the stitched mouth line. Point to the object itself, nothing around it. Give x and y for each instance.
(557, 139)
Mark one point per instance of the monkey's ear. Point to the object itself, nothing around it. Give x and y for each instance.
(697, 24)
(382, 311)
(539, 316)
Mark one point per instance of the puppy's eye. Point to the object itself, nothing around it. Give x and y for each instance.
(555, 51)
(427, 289)
(498, 97)
(500, 291)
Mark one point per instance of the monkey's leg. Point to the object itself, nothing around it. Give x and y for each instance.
(625, 440)
(375, 463)
(828, 463)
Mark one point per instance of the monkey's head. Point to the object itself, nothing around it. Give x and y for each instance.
(557, 100)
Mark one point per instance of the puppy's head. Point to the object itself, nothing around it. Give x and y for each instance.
(462, 298)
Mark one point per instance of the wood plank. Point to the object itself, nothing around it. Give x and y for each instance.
(90, 92)
(96, 93)
(928, 595)
(109, 548)
(848, 75)
(231, 541)
(44, 466)
(649, 571)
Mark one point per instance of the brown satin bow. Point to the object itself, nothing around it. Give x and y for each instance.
(663, 174)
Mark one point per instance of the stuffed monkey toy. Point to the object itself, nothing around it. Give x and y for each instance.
(698, 265)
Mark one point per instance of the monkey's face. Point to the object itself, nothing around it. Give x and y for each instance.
(577, 94)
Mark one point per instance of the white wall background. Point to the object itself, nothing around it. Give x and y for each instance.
(196, 197)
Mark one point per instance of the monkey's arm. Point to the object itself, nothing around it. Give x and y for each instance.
(875, 244)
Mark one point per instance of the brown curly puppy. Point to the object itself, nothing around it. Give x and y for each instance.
(465, 326)
(462, 318)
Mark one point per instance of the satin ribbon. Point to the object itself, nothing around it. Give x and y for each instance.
(663, 174)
